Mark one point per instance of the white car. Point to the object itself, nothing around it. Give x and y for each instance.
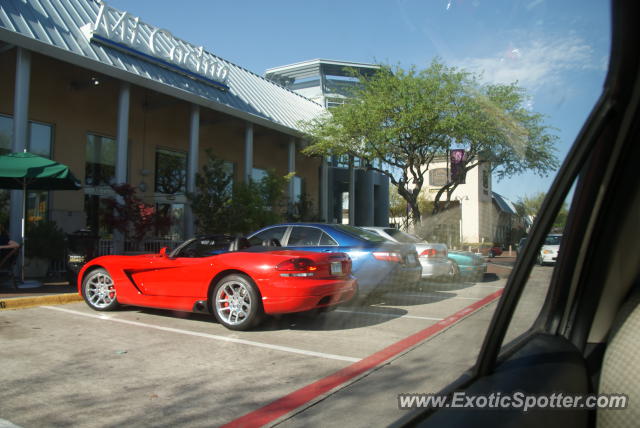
(549, 251)
(433, 257)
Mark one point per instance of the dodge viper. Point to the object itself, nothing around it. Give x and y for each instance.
(217, 274)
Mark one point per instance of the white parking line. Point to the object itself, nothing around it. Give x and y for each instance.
(383, 314)
(490, 286)
(209, 336)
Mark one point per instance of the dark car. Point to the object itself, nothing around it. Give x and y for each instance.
(520, 246)
(378, 264)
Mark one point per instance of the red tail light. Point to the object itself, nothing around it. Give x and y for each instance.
(388, 256)
(301, 267)
(429, 252)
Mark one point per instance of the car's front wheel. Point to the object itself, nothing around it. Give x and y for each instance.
(99, 291)
(236, 302)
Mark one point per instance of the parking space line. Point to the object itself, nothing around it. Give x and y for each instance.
(383, 314)
(209, 336)
(293, 403)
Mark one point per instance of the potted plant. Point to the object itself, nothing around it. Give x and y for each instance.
(45, 241)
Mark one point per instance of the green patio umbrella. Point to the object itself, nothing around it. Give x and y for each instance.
(27, 171)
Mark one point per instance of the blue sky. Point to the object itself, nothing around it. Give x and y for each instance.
(557, 50)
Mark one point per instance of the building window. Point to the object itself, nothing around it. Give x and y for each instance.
(100, 169)
(298, 189)
(258, 174)
(438, 177)
(176, 213)
(171, 172)
(40, 142)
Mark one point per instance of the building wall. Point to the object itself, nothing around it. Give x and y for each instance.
(62, 95)
(476, 212)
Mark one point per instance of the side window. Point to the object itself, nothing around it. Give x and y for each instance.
(304, 237)
(326, 240)
(267, 235)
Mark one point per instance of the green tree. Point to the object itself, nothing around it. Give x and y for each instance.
(211, 202)
(220, 206)
(399, 121)
(499, 134)
(530, 206)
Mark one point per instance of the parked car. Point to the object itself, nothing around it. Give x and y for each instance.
(433, 257)
(220, 275)
(491, 251)
(472, 266)
(549, 250)
(378, 264)
(520, 247)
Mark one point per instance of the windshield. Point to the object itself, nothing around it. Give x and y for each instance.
(443, 122)
(401, 236)
(360, 233)
(552, 240)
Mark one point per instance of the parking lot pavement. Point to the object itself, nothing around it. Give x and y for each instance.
(152, 367)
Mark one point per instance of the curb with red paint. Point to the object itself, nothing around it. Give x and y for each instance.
(289, 403)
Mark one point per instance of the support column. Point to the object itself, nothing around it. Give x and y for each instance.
(192, 167)
(325, 214)
(248, 151)
(291, 168)
(122, 151)
(352, 192)
(364, 198)
(20, 133)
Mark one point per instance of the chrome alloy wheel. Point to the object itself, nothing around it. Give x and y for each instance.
(233, 302)
(99, 290)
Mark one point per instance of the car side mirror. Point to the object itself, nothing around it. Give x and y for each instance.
(163, 252)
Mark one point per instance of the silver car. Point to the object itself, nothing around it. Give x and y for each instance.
(433, 257)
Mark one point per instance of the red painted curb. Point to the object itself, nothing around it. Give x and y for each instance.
(290, 402)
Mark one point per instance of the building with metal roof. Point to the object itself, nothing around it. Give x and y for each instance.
(123, 101)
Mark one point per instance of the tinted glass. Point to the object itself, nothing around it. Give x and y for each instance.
(304, 237)
(268, 235)
(360, 233)
(400, 236)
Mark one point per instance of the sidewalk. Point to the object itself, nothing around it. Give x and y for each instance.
(50, 293)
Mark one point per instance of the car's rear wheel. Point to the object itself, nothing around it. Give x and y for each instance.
(99, 291)
(236, 302)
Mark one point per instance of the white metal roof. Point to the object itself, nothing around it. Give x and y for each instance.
(313, 67)
(53, 28)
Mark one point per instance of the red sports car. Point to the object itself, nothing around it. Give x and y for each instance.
(222, 276)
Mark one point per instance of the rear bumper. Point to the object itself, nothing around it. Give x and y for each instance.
(434, 268)
(401, 278)
(306, 299)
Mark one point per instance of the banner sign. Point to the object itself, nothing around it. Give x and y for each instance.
(125, 32)
(457, 158)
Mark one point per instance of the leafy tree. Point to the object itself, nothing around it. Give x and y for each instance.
(399, 121)
(498, 133)
(530, 206)
(211, 203)
(223, 207)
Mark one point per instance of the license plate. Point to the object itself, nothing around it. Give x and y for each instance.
(411, 259)
(336, 268)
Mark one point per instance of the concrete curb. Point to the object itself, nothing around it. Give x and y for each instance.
(28, 302)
